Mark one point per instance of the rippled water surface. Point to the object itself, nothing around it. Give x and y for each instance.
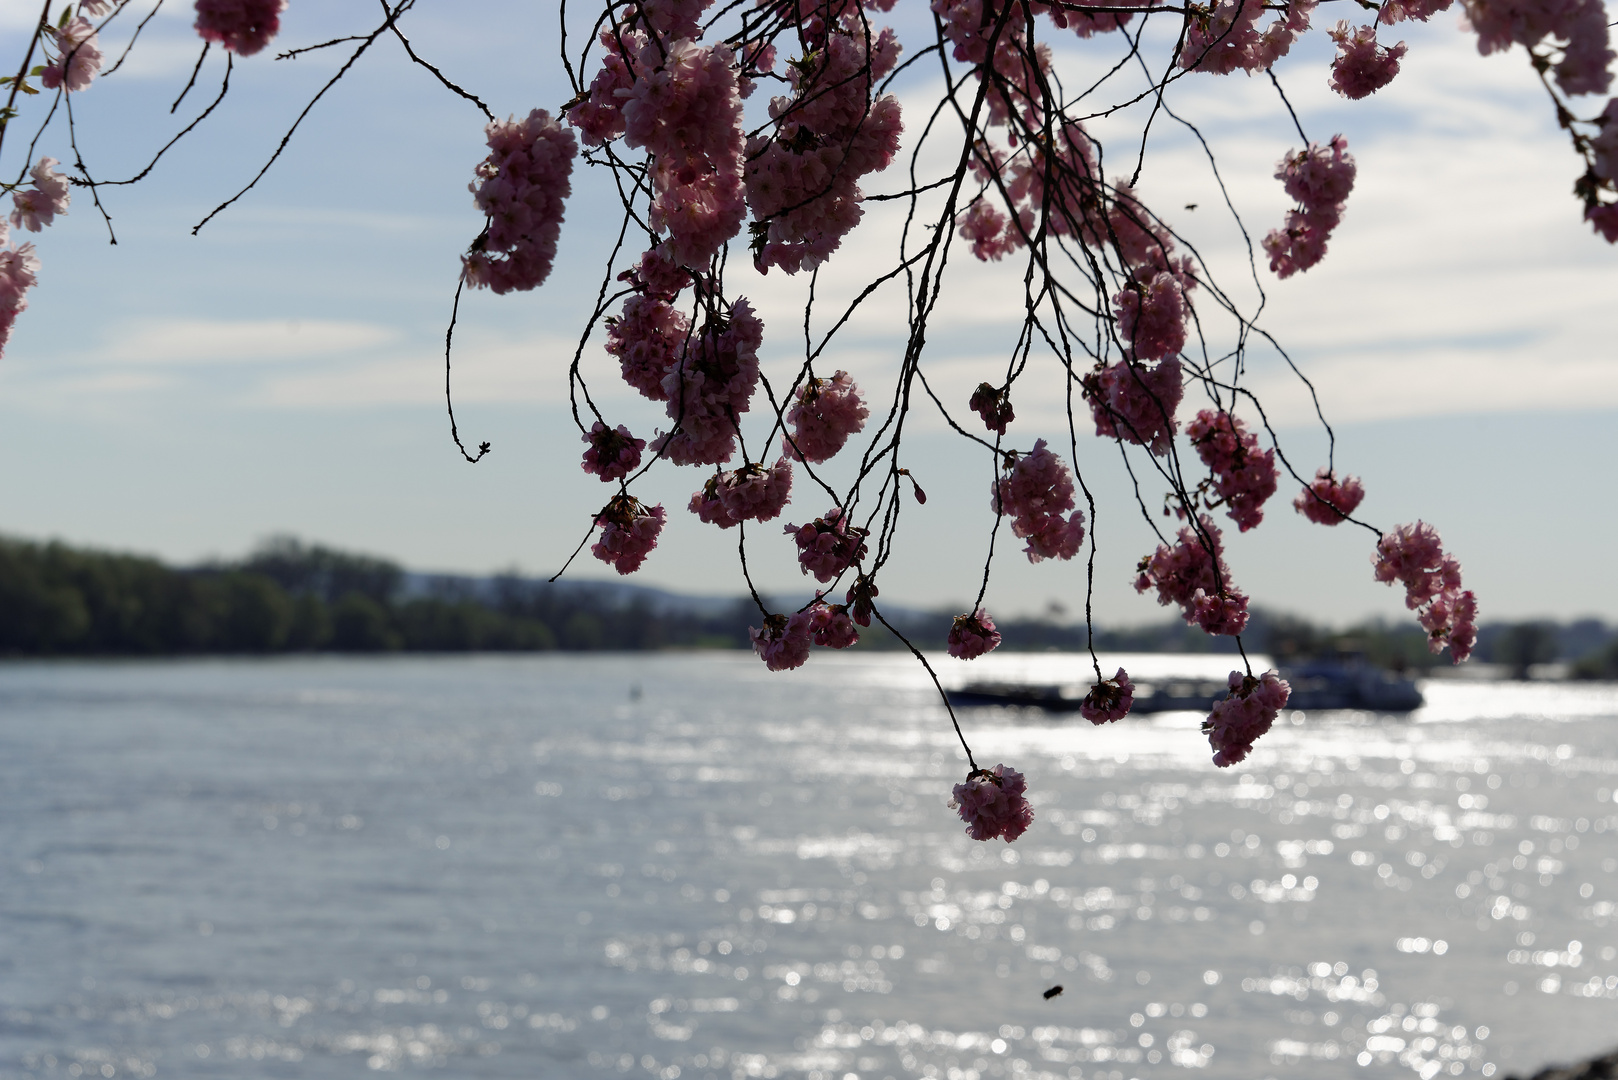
(683, 866)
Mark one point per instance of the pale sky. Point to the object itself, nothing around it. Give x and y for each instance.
(282, 372)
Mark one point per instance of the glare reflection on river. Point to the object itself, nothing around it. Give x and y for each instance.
(683, 866)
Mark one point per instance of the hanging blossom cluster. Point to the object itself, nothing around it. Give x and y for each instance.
(824, 415)
(828, 545)
(802, 179)
(1192, 574)
(751, 493)
(993, 404)
(1244, 477)
(613, 454)
(994, 802)
(242, 26)
(1414, 556)
(78, 57)
(628, 533)
(1109, 699)
(973, 635)
(1363, 65)
(1237, 721)
(521, 186)
(1035, 493)
(19, 272)
(1327, 500)
(1320, 179)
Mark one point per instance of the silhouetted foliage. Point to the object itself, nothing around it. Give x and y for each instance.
(291, 597)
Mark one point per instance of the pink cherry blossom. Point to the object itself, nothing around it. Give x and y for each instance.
(1413, 555)
(521, 186)
(1451, 621)
(859, 599)
(1394, 11)
(755, 493)
(1151, 316)
(823, 416)
(685, 112)
(803, 181)
(648, 338)
(1136, 402)
(1109, 699)
(993, 803)
(657, 274)
(1320, 179)
(19, 270)
(1604, 219)
(994, 405)
(242, 26)
(600, 117)
(1238, 720)
(1362, 66)
(973, 635)
(1587, 56)
(828, 545)
(784, 642)
(991, 232)
(670, 18)
(1035, 494)
(707, 505)
(1244, 476)
(1228, 38)
(1604, 144)
(1224, 614)
(614, 453)
(1193, 575)
(37, 206)
(710, 387)
(628, 533)
(1327, 500)
(78, 56)
(830, 625)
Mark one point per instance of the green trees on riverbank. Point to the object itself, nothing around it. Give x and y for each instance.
(286, 596)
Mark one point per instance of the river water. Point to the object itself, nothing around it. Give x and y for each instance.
(682, 866)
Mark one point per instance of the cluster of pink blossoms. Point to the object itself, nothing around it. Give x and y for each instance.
(1414, 556)
(1109, 699)
(825, 414)
(1604, 163)
(1328, 500)
(521, 186)
(1363, 66)
(1196, 578)
(1035, 493)
(1136, 402)
(37, 206)
(613, 453)
(242, 26)
(650, 334)
(1244, 476)
(628, 533)
(1228, 38)
(1320, 179)
(994, 405)
(19, 272)
(828, 545)
(751, 493)
(710, 385)
(973, 635)
(784, 641)
(1587, 56)
(803, 182)
(1238, 720)
(993, 802)
(78, 57)
(1151, 316)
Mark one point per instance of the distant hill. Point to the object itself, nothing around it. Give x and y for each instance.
(289, 596)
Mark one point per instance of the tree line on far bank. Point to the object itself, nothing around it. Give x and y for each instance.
(288, 597)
